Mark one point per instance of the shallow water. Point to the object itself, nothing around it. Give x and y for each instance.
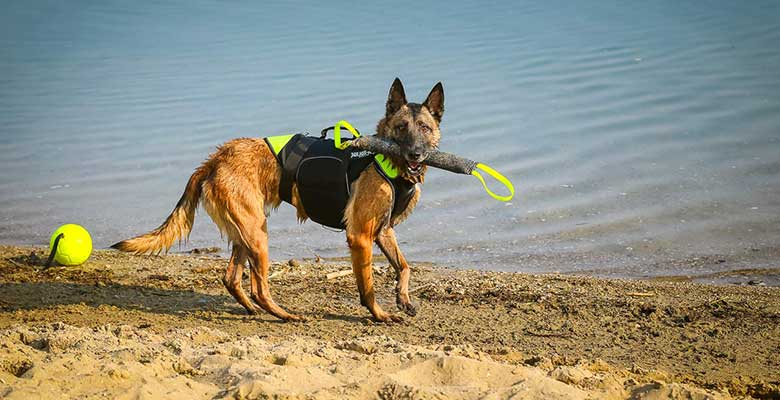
(635, 132)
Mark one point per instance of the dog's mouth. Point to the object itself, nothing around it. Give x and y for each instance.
(414, 168)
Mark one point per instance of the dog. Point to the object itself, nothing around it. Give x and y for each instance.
(238, 185)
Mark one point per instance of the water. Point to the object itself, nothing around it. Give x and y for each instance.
(638, 134)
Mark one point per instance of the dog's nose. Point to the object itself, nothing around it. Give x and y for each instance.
(416, 153)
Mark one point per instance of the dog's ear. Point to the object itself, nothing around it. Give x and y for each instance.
(435, 102)
(397, 98)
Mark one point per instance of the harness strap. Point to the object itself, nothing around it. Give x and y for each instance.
(290, 156)
(402, 191)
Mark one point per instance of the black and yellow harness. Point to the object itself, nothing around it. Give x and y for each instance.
(323, 171)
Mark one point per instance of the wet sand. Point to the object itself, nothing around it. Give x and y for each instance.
(164, 327)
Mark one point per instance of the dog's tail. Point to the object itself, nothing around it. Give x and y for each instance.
(178, 224)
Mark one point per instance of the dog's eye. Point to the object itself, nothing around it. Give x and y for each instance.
(400, 127)
(425, 129)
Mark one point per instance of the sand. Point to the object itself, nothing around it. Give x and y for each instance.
(132, 327)
(125, 362)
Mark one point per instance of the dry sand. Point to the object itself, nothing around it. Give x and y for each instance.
(132, 327)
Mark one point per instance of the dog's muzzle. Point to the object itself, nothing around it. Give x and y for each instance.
(414, 168)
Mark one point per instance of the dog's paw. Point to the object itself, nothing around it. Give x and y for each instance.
(407, 307)
(389, 318)
(295, 318)
(405, 304)
(253, 311)
(395, 318)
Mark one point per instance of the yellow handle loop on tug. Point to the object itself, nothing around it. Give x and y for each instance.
(337, 134)
(497, 176)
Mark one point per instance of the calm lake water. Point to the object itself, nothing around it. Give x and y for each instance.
(643, 137)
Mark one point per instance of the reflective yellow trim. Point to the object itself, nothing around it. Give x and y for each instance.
(337, 134)
(498, 177)
(387, 166)
(278, 142)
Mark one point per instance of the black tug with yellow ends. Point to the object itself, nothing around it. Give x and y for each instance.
(435, 158)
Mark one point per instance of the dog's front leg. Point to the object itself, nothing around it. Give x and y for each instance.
(389, 246)
(366, 212)
(360, 245)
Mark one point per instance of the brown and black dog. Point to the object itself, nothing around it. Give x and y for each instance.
(238, 186)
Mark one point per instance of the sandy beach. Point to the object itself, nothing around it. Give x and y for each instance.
(142, 327)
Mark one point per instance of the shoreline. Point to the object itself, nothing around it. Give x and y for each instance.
(722, 339)
(753, 266)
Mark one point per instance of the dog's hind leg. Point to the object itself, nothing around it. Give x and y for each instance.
(389, 246)
(233, 277)
(257, 244)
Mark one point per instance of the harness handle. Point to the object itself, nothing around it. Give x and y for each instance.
(497, 176)
(337, 134)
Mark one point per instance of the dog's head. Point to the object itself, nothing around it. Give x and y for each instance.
(415, 127)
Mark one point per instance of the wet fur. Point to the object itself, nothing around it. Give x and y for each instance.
(238, 186)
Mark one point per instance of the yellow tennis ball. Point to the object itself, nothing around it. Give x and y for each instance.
(74, 247)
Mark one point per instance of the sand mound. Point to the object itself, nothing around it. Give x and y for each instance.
(454, 377)
(61, 361)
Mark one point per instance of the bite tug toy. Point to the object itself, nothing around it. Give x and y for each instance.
(436, 158)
